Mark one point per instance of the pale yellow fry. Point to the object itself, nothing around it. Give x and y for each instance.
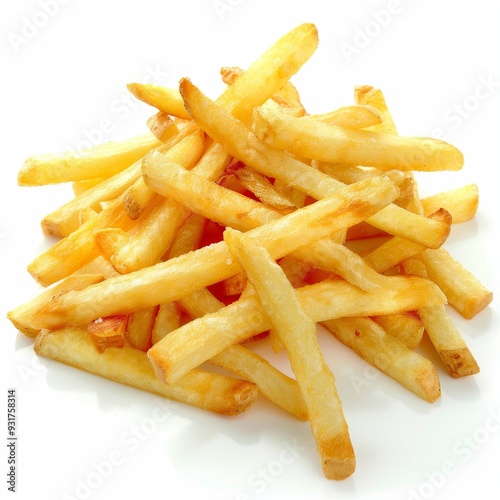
(461, 202)
(69, 254)
(180, 276)
(263, 189)
(412, 370)
(273, 384)
(406, 327)
(162, 126)
(227, 130)
(139, 327)
(287, 97)
(168, 319)
(270, 72)
(297, 332)
(20, 315)
(189, 236)
(162, 98)
(197, 341)
(396, 250)
(356, 116)
(65, 219)
(97, 161)
(80, 187)
(333, 144)
(139, 196)
(129, 366)
(370, 96)
(152, 239)
(443, 333)
(463, 290)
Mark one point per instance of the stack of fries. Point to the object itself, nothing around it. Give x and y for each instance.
(238, 220)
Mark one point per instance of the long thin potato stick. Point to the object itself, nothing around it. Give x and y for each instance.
(169, 280)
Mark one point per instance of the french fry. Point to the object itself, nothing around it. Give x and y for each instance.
(287, 97)
(355, 116)
(162, 98)
(162, 126)
(461, 202)
(226, 129)
(20, 315)
(78, 248)
(152, 239)
(139, 327)
(396, 250)
(180, 276)
(108, 332)
(269, 72)
(333, 144)
(139, 196)
(463, 290)
(80, 187)
(412, 370)
(444, 335)
(168, 319)
(196, 342)
(129, 366)
(297, 332)
(406, 327)
(65, 219)
(97, 161)
(370, 96)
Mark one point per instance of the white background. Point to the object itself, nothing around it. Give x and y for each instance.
(64, 70)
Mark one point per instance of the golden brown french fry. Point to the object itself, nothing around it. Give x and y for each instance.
(20, 316)
(444, 335)
(180, 276)
(108, 332)
(235, 137)
(461, 202)
(196, 342)
(129, 366)
(463, 290)
(97, 161)
(412, 370)
(297, 332)
(333, 144)
(189, 236)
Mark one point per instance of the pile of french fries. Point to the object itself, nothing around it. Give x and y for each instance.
(238, 220)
